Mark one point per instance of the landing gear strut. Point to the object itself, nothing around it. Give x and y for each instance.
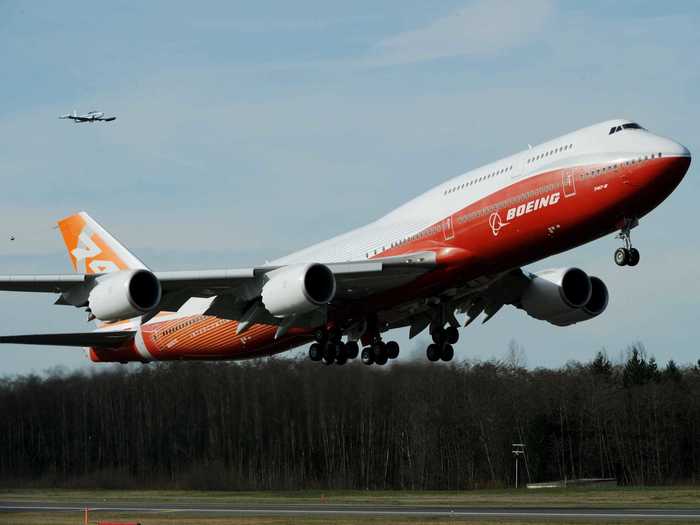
(627, 256)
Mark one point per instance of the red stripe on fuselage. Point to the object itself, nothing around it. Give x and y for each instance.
(479, 239)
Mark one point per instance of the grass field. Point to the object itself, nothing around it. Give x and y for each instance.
(633, 497)
(160, 519)
(579, 497)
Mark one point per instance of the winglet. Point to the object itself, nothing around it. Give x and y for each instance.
(92, 249)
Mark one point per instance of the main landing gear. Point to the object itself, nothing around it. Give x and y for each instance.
(441, 348)
(379, 352)
(627, 256)
(330, 348)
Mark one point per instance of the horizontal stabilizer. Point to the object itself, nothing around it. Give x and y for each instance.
(97, 339)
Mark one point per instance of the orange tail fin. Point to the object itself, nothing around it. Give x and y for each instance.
(92, 249)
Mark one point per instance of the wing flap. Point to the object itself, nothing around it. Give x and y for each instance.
(82, 339)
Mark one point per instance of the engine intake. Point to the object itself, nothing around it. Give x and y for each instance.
(298, 289)
(124, 294)
(595, 306)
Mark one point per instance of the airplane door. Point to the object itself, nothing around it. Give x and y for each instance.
(448, 229)
(568, 183)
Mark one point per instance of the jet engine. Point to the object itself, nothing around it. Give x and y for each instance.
(124, 294)
(298, 289)
(557, 294)
(595, 306)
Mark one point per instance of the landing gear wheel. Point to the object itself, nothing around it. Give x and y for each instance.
(381, 359)
(352, 349)
(622, 256)
(392, 349)
(341, 360)
(340, 351)
(433, 352)
(451, 335)
(438, 336)
(315, 353)
(379, 351)
(633, 257)
(447, 353)
(330, 352)
(367, 357)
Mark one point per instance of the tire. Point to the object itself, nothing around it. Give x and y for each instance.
(330, 351)
(315, 353)
(622, 257)
(451, 335)
(433, 353)
(352, 349)
(367, 357)
(633, 257)
(382, 359)
(448, 352)
(438, 336)
(392, 349)
(341, 360)
(340, 351)
(379, 351)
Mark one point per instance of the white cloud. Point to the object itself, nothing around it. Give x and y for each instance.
(484, 27)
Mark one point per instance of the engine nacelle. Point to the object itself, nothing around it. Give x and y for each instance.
(298, 289)
(124, 294)
(552, 294)
(595, 306)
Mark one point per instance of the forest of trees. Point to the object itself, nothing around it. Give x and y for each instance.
(288, 424)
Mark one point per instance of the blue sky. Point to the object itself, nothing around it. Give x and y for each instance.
(248, 130)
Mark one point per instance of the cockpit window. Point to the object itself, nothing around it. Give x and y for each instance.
(631, 125)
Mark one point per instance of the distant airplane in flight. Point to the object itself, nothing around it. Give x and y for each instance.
(457, 249)
(92, 116)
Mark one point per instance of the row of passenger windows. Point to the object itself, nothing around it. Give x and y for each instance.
(508, 203)
(631, 125)
(549, 153)
(175, 328)
(547, 188)
(477, 180)
(599, 171)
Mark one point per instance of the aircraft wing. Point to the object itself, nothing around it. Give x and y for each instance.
(354, 280)
(82, 339)
(42, 283)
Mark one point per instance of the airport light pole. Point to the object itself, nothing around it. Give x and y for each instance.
(518, 450)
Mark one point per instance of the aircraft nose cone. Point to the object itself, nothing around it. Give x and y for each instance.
(671, 148)
(681, 150)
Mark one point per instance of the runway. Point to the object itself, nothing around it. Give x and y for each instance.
(365, 510)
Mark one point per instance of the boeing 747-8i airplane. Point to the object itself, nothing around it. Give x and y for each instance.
(458, 248)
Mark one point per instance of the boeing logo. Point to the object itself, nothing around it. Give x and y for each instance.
(497, 223)
(532, 206)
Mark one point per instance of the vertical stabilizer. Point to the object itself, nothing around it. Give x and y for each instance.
(92, 249)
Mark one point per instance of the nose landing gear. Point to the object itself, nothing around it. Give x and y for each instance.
(627, 256)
